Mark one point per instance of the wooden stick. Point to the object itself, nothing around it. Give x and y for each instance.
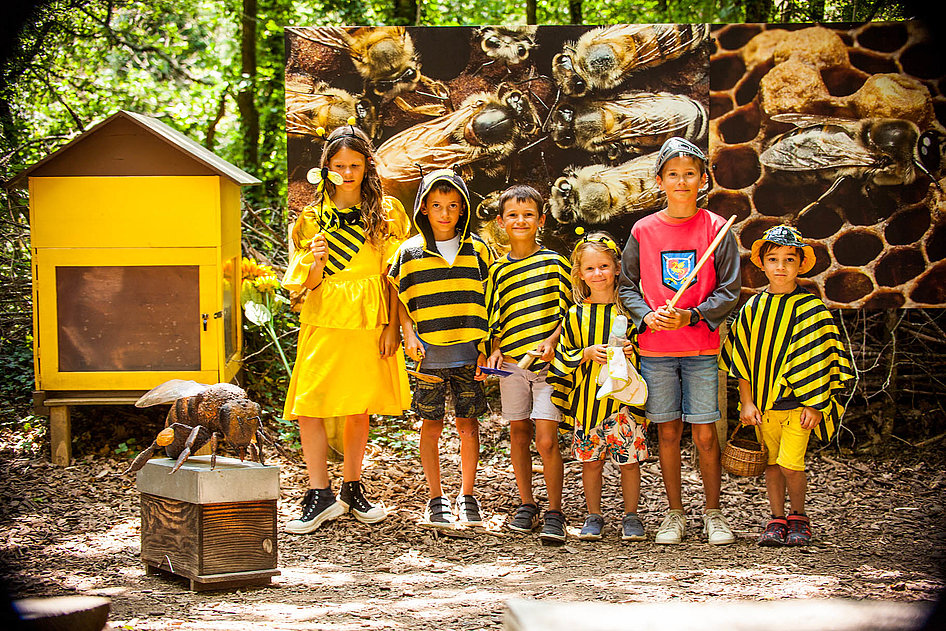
(712, 248)
(528, 358)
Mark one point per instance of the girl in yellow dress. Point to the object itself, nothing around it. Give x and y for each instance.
(349, 361)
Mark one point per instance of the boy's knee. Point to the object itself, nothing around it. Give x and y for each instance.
(432, 427)
(706, 441)
(546, 446)
(520, 432)
(467, 426)
(670, 433)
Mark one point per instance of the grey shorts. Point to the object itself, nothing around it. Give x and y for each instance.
(526, 395)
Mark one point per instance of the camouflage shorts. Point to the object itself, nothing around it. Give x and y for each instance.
(469, 400)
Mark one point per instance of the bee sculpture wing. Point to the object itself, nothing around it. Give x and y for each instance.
(670, 41)
(170, 391)
(815, 148)
(334, 37)
(654, 115)
(638, 176)
(429, 144)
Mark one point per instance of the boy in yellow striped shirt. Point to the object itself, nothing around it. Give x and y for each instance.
(527, 295)
(785, 350)
(440, 277)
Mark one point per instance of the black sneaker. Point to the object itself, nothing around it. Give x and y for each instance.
(553, 528)
(468, 511)
(526, 519)
(632, 528)
(591, 530)
(437, 514)
(352, 496)
(318, 507)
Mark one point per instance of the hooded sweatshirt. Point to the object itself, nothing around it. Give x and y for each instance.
(446, 301)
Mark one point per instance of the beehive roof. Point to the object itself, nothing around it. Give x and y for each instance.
(131, 144)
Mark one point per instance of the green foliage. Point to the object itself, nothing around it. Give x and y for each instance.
(16, 371)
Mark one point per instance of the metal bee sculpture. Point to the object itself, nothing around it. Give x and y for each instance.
(204, 414)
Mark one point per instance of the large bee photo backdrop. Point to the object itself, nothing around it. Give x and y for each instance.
(836, 130)
(577, 112)
(839, 131)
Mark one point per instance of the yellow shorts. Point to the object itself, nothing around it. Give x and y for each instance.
(782, 433)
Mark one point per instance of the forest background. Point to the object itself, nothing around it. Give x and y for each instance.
(213, 70)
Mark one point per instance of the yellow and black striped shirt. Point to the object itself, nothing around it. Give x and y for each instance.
(787, 345)
(574, 383)
(526, 299)
(446, 302)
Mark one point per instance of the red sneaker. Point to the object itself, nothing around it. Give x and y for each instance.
(799, 530)
(774, 534)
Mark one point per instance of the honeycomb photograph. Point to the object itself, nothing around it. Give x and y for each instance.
(839, 131)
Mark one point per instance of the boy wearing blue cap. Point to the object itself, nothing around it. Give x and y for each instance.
(787, 354)
(679, 345)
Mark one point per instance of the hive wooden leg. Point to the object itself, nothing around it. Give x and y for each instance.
(60, 435)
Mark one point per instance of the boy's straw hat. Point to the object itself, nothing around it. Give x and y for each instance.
(784, 235)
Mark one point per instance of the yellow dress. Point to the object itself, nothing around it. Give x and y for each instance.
(339, 369)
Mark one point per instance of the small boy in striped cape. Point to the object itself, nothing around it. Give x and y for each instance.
(785, 350)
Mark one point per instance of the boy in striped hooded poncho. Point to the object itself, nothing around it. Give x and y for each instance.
(785, 350)
(440, 277)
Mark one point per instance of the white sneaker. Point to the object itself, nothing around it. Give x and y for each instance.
(716, 528)
(468, 511)
(672, 528)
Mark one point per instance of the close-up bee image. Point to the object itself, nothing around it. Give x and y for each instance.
(603, 58)
(837, 130)
(627, 123)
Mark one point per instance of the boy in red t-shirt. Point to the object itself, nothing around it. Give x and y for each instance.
(679, 345)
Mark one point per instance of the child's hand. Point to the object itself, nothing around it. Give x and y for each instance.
(670, 318)
(413, 347)
(547, 348)
(810, 417)
(319, 248)
(390, 340)
(480, 361)
(749, 414)
(597, 353)
(495, 359)
(629, 350)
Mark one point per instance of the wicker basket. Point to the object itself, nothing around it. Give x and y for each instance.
(742, 457)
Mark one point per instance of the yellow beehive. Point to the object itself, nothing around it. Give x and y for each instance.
(135, 234)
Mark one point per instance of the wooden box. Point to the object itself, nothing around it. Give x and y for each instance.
(216, 528)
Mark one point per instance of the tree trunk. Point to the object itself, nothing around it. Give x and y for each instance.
(816, 10)
(758, 10)
(530, 12)
(246, 99)
(574, 11)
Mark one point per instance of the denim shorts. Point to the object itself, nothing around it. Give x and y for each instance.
(681, 387)
(469, 400)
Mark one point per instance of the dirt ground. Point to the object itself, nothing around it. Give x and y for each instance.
(878, 526)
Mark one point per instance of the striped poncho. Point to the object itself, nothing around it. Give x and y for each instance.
(787, 346)
(526, 299)
(574, 383)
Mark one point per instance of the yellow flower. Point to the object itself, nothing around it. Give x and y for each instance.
(267, 284)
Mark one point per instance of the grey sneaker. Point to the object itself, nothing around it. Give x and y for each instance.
(468, 511)
(591, 530)
(437, 514)
(553, 528)
(716, 528)
(672, 528)
(318, 507)
(632, 528)
(526, 519)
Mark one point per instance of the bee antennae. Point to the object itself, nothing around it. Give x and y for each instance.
(420, 168)
(534, 143)
(923, 168)
(483, 65)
